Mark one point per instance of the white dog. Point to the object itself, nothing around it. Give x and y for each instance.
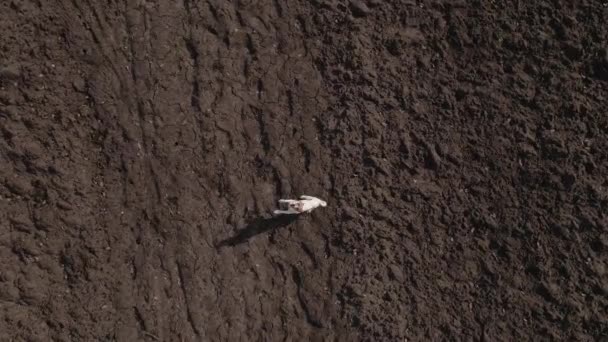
(303, 205)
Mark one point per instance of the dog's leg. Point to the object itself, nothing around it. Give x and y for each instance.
(286, 203)
(286, 212)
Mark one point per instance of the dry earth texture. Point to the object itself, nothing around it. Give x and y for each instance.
(461, 146)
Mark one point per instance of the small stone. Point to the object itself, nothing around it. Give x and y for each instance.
(61, 204)
(349, 213)
(359, 8)
(79, 84)
(526, 150)
(433, 161)
(599, 268)
(490, 222)
(395, 273)
(362, 202)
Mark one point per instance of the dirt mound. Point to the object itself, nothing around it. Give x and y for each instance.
(461, 147)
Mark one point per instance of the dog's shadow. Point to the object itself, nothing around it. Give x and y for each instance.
(256, 227)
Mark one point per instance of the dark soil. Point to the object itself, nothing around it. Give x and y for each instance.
(461, 146)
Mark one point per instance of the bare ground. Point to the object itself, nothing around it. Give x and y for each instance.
(461, 146)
